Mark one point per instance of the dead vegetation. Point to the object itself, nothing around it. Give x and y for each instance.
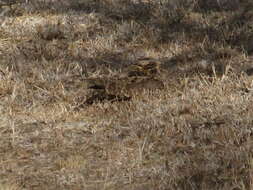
(129, 94)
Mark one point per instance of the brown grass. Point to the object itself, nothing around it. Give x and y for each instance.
(194, 133)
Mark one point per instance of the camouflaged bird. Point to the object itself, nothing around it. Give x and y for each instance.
(140, 76)
(144, 67)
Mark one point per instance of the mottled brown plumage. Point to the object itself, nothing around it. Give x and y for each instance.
(140, 76)
(145, 67)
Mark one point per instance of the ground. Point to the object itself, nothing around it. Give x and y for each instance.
(193, 133)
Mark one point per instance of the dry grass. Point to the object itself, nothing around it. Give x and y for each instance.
(195, 133)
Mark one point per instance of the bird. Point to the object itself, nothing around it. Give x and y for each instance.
(145, 84)
(146, 66)
(50, 31)
(105, 89)
(140, 76)
(120, 89)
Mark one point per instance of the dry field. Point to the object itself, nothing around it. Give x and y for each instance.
(72, 117)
